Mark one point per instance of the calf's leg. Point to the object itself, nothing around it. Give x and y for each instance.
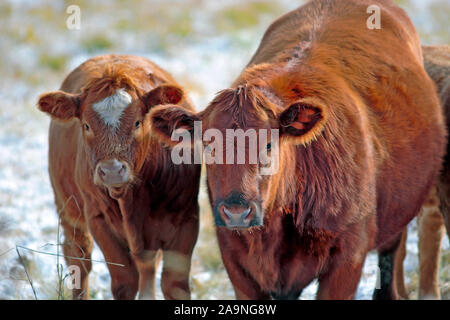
(147, 263)
(177, 257)
(124, 277)
(78, 244)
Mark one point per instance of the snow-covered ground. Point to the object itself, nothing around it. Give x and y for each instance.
(204, 44)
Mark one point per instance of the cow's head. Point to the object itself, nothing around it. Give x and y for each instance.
(240, 193)
(112, 118)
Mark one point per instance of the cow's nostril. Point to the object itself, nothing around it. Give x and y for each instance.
(101, 172)
(122, 170)
(224, 213)
(246, 213)
(243, 214)
(227, 212)
(236, 216)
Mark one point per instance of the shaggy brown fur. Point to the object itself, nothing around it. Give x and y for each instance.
(361, 142)
(155, 211)
(431, 220)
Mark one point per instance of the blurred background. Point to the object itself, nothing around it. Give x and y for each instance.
(204, 44)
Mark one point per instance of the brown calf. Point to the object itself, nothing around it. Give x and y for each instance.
(113, 181)
(358, 120)
(430, 220)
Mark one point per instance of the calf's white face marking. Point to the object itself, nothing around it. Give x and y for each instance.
(110, 109)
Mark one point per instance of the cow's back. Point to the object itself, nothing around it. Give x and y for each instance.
(307, 23)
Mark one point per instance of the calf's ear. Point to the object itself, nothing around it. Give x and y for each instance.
(164, 94)
(302, 122)
(170, 119)
(60, 105)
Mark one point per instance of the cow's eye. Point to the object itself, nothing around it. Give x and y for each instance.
(269, 146)
(86, 127)
(137, 124)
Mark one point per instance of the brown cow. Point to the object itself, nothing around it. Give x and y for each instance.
(361, 142)
(113, 181)
(430, 220)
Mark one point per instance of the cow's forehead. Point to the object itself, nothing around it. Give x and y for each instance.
(224, 119)
(111, 108)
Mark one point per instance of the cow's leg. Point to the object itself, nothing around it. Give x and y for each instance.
(431, 231)
(78, 244)
(245, 288)
(386, 264)
(177, 261)
(443, 188)
(175, 275)
(124, 277)
(341, 280)
(399, 273)
(147, 263)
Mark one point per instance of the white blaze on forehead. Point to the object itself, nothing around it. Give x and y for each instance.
(110, 109)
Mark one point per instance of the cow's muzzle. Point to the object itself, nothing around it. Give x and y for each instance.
(114, 175)
(238, 214)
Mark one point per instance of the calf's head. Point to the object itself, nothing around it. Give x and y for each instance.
(113, 125)
(244, 131)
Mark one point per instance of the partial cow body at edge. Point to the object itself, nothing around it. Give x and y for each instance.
(436, 210)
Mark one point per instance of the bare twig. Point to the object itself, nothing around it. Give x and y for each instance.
(7, 251)
(69, 257)
(26, 272)
(59, 267)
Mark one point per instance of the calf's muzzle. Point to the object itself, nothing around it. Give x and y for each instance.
(113, 173)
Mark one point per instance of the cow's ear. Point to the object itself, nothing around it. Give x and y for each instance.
(60, 105)
(303, 121)
(171, 124)
(164, 94)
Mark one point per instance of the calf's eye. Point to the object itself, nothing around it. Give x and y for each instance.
(86, 127)
(137, 124)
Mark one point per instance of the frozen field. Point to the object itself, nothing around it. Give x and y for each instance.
(204, 44)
